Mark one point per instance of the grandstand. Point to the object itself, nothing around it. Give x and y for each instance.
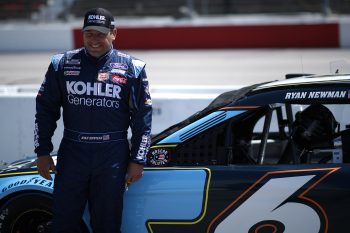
(205, 7)
(27, 9)
(20, 9)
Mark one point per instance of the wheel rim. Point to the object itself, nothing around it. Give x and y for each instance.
(32, 221)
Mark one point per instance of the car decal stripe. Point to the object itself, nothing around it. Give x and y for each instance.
(19, 173)
(307, 83)
(163, 145)
(239, 107)
(199, 126)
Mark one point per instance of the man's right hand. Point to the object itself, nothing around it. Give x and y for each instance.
(45, 164)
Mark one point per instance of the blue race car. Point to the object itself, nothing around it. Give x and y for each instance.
(271, 157)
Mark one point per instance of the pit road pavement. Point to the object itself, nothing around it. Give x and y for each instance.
(193, 67)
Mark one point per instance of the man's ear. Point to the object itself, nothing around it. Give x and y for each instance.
(114, 33)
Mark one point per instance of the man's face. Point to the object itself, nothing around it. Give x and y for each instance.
(98, 43)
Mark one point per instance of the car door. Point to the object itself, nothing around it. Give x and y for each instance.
(245, 186)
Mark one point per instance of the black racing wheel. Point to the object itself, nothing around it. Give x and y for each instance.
(26, 213)
(29, 213)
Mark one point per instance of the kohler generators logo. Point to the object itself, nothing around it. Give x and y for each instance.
(105, 95)
(95, 89)
(317, 95)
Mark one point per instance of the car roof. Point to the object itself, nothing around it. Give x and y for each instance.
(304, 90)
(306, 80)
(232, 98)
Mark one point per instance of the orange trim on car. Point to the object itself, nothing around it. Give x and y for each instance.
(239, 107)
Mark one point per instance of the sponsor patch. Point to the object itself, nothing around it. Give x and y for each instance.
(92, 138)
(122, 66)
(71, 73)
(95, 89)
(143, 148)
(159, 157)
(72, 68)
(73, 51)
(119, 79)
(98, 94)
(118, 71)
(73, 62)
(120, 54)
(102, 77)
(148, 102)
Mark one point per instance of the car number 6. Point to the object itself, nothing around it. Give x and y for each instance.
(269, 208)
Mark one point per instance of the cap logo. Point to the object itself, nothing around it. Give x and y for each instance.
(99, 17)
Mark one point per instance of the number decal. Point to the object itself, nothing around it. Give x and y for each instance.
(280, 205)
(269, 203)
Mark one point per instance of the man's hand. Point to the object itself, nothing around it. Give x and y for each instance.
(134, 173)
(45, 164)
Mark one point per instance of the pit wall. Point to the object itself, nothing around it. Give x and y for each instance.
(325, 35)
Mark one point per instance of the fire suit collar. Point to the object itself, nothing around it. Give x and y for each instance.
(102, 58)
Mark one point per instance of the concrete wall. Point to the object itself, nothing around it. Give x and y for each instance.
(35, 37)
(171, 104)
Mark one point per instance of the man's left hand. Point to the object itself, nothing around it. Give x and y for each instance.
(134, 173)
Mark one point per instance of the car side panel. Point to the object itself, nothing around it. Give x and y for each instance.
(244, 199)
(166, 195)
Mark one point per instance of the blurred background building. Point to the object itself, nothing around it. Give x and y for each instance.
(69, 9)
(180, 24)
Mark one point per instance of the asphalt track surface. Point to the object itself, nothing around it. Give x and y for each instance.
(194, 67)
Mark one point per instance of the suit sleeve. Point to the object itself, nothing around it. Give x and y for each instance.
(48, 106)
(141, 115)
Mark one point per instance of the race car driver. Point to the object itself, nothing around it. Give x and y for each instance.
(102, 92)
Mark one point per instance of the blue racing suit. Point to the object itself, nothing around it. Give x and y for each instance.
(100, 99)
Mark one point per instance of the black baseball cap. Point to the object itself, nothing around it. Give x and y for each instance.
(98, 19)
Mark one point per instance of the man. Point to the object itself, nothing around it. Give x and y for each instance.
(102, 92)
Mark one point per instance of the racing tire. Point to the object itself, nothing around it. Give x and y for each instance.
(28, 213)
